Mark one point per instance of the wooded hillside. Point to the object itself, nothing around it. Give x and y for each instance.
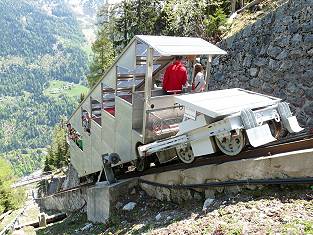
(37, 46)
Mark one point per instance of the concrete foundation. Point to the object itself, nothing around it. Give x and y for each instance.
(101, 199)
(287, 165)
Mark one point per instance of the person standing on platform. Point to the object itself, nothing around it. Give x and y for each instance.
(199, 81)
(175, 77)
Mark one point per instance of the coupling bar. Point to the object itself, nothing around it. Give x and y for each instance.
(161, 145)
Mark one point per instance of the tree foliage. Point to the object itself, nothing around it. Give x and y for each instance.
(9, 198)
(25, 161)
(36, 47)
(103, 56)
(58, 153)
(198, 18)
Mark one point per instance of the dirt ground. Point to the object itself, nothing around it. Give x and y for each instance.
(272, 210)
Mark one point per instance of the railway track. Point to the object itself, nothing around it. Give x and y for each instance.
(70, 189)
(299, 142)
(294, 143)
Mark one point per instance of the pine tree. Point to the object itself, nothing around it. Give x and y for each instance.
(58, 152)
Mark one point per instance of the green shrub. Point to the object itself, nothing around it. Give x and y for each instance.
(9, 198)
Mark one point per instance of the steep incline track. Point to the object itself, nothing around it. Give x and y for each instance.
(286, 145)
(299, 142)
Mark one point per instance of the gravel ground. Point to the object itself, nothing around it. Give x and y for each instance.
(267, 211)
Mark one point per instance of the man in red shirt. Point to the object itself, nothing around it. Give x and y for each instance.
(175, 77)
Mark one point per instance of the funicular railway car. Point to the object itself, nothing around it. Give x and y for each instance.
(127, 119)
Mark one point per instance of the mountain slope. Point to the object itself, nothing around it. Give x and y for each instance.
(39, 43)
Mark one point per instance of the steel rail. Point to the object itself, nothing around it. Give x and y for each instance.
(67, 190)
(219, 158)
(294, 143)
(289, 181)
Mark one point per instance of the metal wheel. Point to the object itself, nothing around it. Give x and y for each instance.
(231, 145)
(142, 164)
(185, 154)
(277, 129)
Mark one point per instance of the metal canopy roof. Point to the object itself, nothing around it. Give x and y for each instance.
(169, 46)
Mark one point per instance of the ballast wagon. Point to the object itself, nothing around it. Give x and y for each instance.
(126, 118)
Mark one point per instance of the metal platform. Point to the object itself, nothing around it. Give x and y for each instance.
(225, 102)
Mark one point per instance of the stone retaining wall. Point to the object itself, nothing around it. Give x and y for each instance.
(274, 56)
(67, 201)
(288, 165)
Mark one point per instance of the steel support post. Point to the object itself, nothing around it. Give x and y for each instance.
(208, 72)
(148, 85)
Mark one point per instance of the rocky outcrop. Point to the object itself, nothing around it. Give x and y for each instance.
(274, 56)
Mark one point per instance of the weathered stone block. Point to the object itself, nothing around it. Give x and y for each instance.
(283, 55)
(308, 109)
(274, 51)
(219, 77)
(254, 72)
(286, 20)
(274, 64)
(282, 40)
(296, 53)
(280, 93)
(286, 66)
(243, 78)
(293, 27)
(307, 26)
(260, 61)
(255, 82)
(307, 78)
(247, 61)
(310, 52)
(308, 39)
(309, 94)
(296, 39)
(292, 87)
(310, 123)
(267, 88)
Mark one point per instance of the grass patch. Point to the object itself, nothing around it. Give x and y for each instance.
(299, 227)
(67, 226)
(247, 17)
(57, 88)
(8, 219)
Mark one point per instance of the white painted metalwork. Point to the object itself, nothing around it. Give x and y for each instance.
(132, 118)
(225, 102)
(169, 46)
(223, 118)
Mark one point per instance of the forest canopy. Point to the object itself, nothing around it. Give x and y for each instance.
(37, 47)
(198, 18)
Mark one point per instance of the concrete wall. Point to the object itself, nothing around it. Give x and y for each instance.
(68, 201)
(273, 56)
(293, 164)
(102, 198)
